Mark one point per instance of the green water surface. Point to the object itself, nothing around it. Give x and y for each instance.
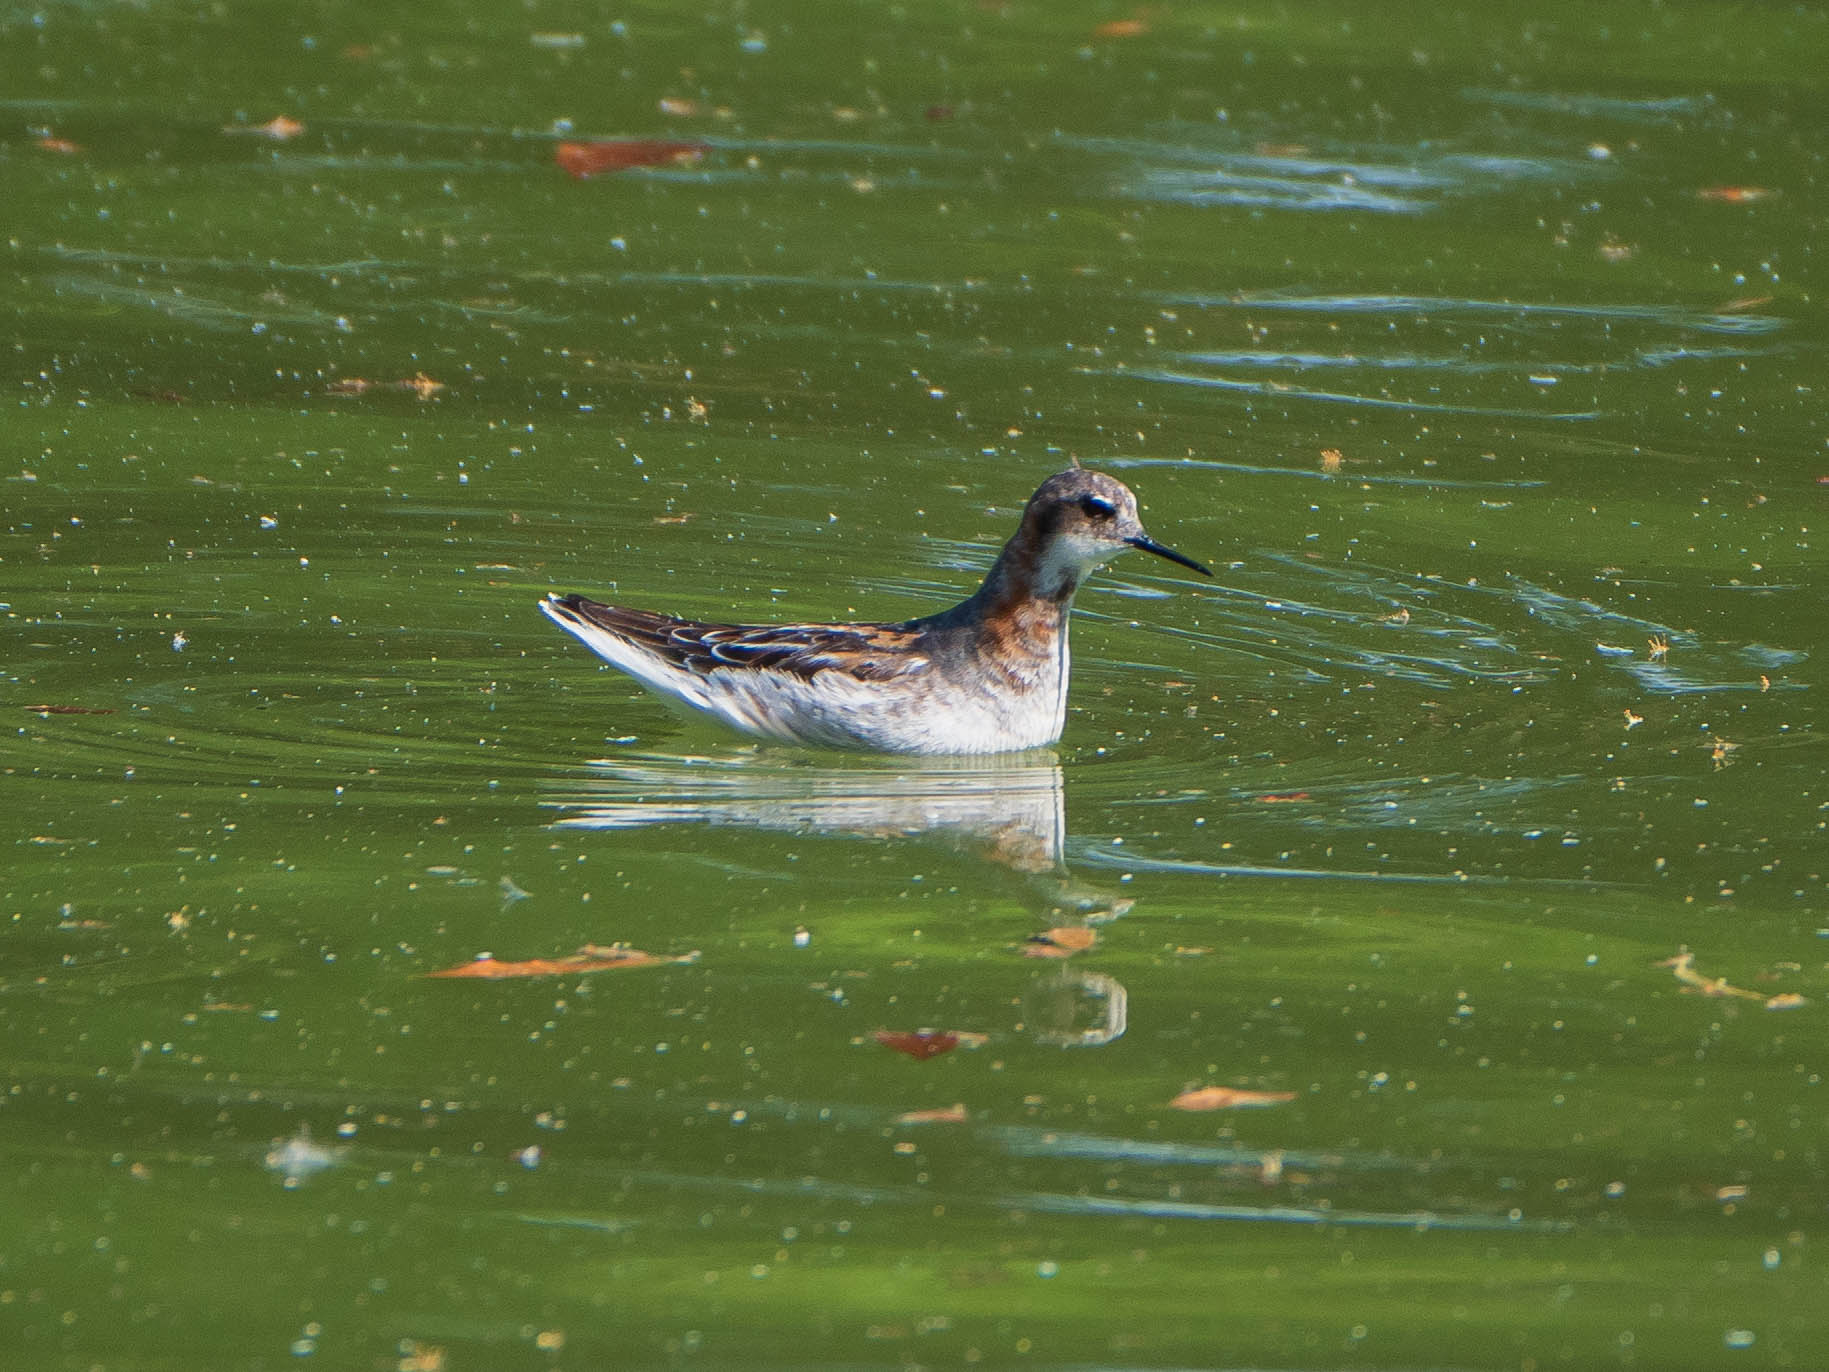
(1481, 352)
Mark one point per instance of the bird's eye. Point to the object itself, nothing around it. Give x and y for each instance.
(1097, 507)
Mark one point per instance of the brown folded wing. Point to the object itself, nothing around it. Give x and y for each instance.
(869, 652)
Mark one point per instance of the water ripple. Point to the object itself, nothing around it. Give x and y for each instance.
(1283, 391)
(1677, 316)
(1316, 474)
(1384, 180)
(1644, 109)
(1419, 1220)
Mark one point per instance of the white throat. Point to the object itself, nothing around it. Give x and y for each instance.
(1067, 561)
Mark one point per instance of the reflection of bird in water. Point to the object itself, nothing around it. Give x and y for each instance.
(1053, 1009)
(987, 676)
(1009, 810)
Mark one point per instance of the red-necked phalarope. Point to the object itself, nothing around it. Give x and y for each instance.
(987, 676)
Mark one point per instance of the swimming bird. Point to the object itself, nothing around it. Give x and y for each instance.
(987, 676)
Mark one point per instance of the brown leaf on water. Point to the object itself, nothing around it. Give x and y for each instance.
(922, 1044)
(581, 160)
(67, 710)
(592, 957)
(952, 1114)
(919, 1044)
(1059, 943)
(1228, 1098)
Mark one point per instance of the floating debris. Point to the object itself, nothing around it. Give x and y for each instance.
(921, 1044)
(279, 129)
(1059, 943)
(1228, 1098)
(591, 957)
(1683, 965)
(583, 160)
(298, 1158)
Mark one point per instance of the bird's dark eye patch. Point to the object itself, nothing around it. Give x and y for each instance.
(1097, 507)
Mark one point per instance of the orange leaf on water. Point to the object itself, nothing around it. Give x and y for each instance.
(1735, 195)
(1059, 943)
(590, 958)
(1683, 965)
(420, 385)
(279, 129)
(1227, 1098)
(580, 160)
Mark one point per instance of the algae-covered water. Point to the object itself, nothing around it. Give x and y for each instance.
(1469, 826)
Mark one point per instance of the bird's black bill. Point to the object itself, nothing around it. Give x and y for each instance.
(1149, 545)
